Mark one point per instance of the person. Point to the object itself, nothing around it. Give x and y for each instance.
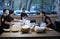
(46, 19)
(5, 13)
(9, 19)
(23, 14)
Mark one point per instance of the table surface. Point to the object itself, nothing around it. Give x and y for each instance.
(31, 34)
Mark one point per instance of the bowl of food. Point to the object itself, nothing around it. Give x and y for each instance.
(14, 29)
(40, 29)
(25, 29)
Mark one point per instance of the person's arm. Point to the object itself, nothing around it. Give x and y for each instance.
(26, 15)
(9, 23)
(21, 15)
(48, 22)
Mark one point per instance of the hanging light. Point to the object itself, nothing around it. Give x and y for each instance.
(5, 4)
(8, 4)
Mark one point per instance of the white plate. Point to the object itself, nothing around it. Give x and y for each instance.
(6, 29)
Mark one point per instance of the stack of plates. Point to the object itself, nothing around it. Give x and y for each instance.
(6, 30)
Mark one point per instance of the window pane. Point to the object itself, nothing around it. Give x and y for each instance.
(30, 5)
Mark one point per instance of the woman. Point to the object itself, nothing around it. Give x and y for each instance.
(46, 19)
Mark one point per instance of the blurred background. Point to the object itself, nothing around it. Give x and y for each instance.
(33, 7)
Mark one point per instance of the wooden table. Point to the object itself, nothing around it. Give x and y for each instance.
(48, 34)
(32, 35)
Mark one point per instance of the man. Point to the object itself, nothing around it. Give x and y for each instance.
(5, 13)
(23, 14)
(9, 19)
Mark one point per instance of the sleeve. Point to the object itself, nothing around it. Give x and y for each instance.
(26, 15)
(1, 18)
(12, 19)
(8, 19)
(21, 15)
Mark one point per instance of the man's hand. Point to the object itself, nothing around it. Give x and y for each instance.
(10, 23)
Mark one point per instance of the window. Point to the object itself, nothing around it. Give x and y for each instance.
(32, 6)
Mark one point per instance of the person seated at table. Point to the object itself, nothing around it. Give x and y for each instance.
(23, 14)
(9, 19)
(5, 13)
(46, 19)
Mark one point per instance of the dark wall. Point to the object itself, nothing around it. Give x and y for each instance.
(0, 20)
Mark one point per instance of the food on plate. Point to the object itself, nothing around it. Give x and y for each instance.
(39, 29)
(25, 29)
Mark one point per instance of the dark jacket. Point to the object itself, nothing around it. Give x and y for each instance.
(23, 15)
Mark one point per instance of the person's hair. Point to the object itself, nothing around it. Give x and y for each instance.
(23, 9)
(4, 10)
(11, 11)
(43, 13)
